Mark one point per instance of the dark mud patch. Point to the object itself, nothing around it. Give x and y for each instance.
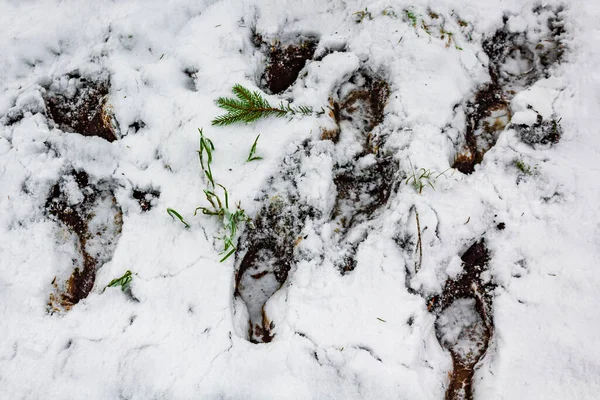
(284, 61)
(192, 75)
(137, 125)
(542, 132)
(464, 324)
(517, 60)
(81, 105)
(146, 198)
(363, 188)
(89, 212)
(13, 116)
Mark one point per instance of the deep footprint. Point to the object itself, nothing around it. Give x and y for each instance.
(487, 116)
(80, 105)
(267, 252)
(284, 61)
(363, 185)
(516, 61)
(366, 182)
(464, 324)
(90, 212)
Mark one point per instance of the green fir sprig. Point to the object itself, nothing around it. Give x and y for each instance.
(249, 106)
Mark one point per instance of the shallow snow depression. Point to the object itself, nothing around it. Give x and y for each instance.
(422, 223)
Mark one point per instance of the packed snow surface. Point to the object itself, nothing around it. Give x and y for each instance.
(436, 125)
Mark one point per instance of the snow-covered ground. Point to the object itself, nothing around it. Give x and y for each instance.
(352, 282)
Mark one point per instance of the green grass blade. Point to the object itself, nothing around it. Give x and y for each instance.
(226, 196)
(251, 156)
(122, 281)
(228, 255)
(174, 214)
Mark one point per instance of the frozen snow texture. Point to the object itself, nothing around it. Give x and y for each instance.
(364, 335)
(461, 328)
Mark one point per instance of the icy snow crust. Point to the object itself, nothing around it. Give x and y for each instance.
(362, 333)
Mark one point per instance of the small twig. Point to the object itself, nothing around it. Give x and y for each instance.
(419, 243)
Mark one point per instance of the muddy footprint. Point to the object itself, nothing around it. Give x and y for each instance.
(464, 324)
(78, 104)
(486, 117)
(92, 219)
(266, 252)
(365, 181)
(284, 60)
(360, 185)
(517, 60)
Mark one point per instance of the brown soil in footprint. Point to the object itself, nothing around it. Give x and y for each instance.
(464, 325)
(284, 62)
(363, 105)
(89, 212)
(80, 105)
(487, 116)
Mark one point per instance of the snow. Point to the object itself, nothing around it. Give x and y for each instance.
(365, 333)
(460, 325)
(540, 97)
